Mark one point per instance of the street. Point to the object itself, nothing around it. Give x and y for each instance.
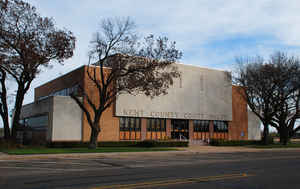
(239, 170)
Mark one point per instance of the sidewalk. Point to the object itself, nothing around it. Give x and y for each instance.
(233, 149)
(194, 149)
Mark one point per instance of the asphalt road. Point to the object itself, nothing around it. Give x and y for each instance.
(246, 170)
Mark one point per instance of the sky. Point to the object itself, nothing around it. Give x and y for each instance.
(209, 33)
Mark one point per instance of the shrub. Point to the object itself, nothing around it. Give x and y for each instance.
(10, 144)
(148, 143)
(117, 144)
(173, 143)
(270, 140)
(145, 143)
(222, 142)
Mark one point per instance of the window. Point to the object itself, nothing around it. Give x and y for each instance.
(154, 125)
(63, 92)
(73, 89)
(201, 126)
(130, 124)
(180, 125)
(38, 123)
(221, 126)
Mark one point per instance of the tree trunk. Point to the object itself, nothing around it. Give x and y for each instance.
(284, 135)
(4, 116)
(280, 135)
(6, 127)
(17, 110)
(94, 138)
(4, 107)
(265, 139)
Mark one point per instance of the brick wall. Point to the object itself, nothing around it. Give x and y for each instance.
(239, 122)
(109, 124)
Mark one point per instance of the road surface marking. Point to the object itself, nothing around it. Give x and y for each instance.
(174, 181)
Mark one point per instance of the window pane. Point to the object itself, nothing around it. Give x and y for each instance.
(136, 124)
(132, 124)
(220, 126)
(152, 124)
(148, 125)
(126, 124)
(37, 123)
(122, 124)
(163, 126)
(201, 125)
(139, 125)
(157, 124)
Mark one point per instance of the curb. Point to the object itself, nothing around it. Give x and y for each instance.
(209, 150)
(4, 156)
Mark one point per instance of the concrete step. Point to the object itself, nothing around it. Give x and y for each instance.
(198, 142)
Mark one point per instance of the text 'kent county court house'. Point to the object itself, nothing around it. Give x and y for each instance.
(201, 105)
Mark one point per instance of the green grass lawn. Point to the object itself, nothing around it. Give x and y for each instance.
(27, 151)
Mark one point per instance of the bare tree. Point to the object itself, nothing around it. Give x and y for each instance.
(4, 105)
(3, 91)
(271, 89)
(125, 64)
(287, 95)
(28, 42)
(285, 121)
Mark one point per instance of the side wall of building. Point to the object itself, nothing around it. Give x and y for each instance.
(64, 117)
(254, 123)
(42, 107)
(200, 93)
(68, 80)
(238, 127)
(109, 124)
(67, 119)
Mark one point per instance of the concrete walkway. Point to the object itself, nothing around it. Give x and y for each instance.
(232, 149)
(2, 154)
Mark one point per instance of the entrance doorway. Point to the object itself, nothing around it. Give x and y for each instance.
(179, 129)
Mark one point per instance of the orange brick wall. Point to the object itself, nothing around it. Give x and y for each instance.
(144, 129)
(109, 124)
(239, 122)
(191, 129)
(168, 128)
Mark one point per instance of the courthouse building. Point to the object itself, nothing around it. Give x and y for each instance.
(201, 105)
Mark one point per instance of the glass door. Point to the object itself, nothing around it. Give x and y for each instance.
(180, 129)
